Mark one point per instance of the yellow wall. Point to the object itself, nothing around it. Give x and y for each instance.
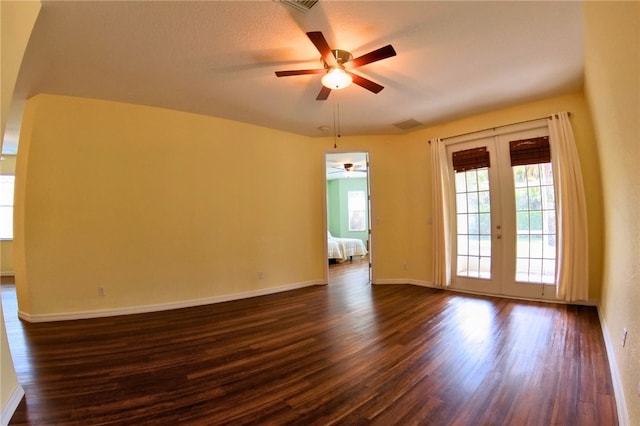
(136, 199)
(7, 167)
(16, 22)
(612, 85)
(159, 206)
(6, 258)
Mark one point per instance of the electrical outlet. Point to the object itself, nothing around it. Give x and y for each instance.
(260, 275)
(624, 337)
(404, 267)
(101, 291)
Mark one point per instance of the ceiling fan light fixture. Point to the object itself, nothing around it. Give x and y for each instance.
(336, 78)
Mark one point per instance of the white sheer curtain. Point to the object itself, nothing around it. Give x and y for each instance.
(441, 235)
(572, 275)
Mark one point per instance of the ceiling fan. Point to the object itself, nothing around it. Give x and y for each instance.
(347, 168)
(336, 75)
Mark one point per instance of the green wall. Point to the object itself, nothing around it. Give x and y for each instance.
(337, 212)
(333, 207)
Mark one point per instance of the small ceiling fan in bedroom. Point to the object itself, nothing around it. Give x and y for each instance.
(337, 65)
(348, 169)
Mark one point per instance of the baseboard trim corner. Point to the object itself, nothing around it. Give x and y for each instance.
(12, 405)
(421, 283)
(408, 281)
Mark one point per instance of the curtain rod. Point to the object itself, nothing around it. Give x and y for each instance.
(504, 125)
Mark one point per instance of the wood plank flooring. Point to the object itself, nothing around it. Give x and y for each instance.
(347, 353)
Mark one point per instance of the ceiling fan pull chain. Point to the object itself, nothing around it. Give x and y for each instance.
(335, 142)
(339, 128)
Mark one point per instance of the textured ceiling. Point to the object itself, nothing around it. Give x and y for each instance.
(218, 58)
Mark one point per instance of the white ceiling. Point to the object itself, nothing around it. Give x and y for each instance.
(218, 58)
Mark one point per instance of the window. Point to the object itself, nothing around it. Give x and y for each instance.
(535, 210)
(473, 210)
(536, 223)
(6, 207)
(357, 207)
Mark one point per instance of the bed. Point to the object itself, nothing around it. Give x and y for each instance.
(345, 248)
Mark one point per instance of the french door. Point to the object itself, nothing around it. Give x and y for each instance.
(503, 213)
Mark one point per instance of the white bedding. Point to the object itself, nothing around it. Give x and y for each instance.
(334, 250)
(344, 248)
(351, 246)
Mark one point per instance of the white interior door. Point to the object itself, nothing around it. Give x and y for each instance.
(503, 214)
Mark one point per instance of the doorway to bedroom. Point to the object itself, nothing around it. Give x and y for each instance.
(348, 205)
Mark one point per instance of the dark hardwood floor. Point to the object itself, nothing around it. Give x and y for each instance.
(347, 353)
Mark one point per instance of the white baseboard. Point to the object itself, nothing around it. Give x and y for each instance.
(618, 390)
(429, 284)
(406, 281)
(100, 313)
(12, 405)
(394, 281)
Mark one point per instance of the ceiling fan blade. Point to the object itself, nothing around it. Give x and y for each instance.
(373, 56)
(366, 83)
(324, 94)
(321, 44)
(298, 72)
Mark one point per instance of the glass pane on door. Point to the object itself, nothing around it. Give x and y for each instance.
(473, 216)
(535, 223)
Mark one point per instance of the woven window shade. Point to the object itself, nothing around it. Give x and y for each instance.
(470, 159)
(530, 151)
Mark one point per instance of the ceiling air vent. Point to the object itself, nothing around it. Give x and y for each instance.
(408, 124)
(301, 5)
